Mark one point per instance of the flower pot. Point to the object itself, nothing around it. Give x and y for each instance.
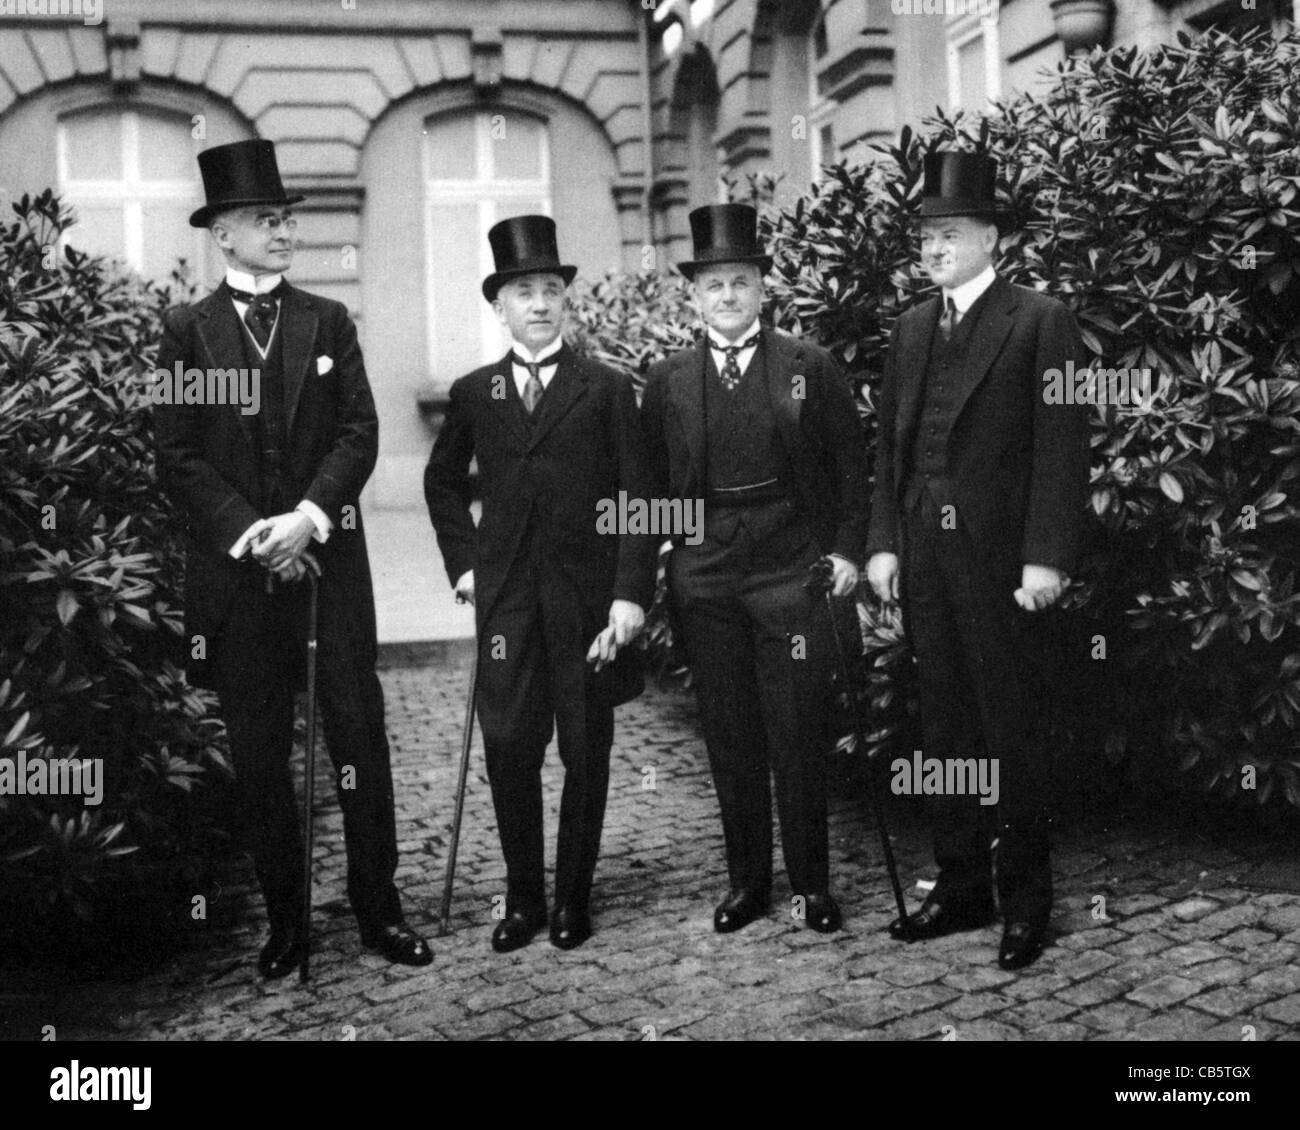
(1082, 25)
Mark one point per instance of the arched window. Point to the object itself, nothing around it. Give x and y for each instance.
(131, 176)
(481, 166)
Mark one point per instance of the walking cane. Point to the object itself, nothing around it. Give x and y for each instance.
(820, 578)
(309, 781)
(460, 794)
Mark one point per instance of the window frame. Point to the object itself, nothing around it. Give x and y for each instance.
(487, 194)
(963, 30)
(130, 192)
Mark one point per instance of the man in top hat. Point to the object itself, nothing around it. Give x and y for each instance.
(556, 600)
(257, 491)
(763, 428)
(976, 523)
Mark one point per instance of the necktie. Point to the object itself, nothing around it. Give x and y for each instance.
(533, 387)
(260, 315)
(731, 368)
(950, 318)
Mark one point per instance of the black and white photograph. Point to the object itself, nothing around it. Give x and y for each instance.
(726, 521)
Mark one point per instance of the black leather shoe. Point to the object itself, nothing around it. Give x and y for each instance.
(822, 913)
(1022, 942)
(935, 919)
(399, 943)
(570, 927)
(517, 929)
(738, 910)
(281, 955)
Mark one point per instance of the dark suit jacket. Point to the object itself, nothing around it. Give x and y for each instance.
(207, 458)
(819, 430)
(584, 446)
(1018, 467)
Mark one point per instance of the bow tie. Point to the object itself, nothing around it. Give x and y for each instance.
(244, 296)
(261, 312)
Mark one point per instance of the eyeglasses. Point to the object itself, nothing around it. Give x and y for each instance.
(266, 224)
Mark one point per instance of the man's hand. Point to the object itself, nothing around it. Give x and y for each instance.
(465, 588)
(626, 619)
(284, 539)
(1040, 587)
(882, 576)
(844, 575)
(292, 570)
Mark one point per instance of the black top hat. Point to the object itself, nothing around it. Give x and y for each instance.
(241, 173)
(961, 184)
(524, 245)
(725, 233)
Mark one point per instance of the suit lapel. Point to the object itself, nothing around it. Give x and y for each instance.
(986, 342)
(298, 324)
(686, 392)
(914, 355)
(222, 335)
(782, 368)
(567, 386)
(511, 406)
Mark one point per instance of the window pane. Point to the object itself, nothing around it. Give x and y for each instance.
(517, 148)
(457, 251)
(452, 147)
(99, 230)
(507, 208)
(93, 143)
(167, 238)
(970, 70)
(167, 152)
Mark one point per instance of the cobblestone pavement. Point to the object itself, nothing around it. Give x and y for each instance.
(1184, 950)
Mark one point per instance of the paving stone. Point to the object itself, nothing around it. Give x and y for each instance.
(1278, 982)
(974, 1005)
(1286, 1011)
(1061, 1030)
(1283, 918)
(1164, 991)
(1188, 953)
(978, 977)
(1038, 980)
(1189, 910)
(1114, 1016)
(1092, 992)
(1181, 1025)
(1246, 939)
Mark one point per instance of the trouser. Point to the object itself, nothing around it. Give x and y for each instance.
(761, 654)
(533, 682)
(969, 639)
(258, 662)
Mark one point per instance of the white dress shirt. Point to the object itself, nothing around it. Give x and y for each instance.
(964, 296)
(251, 284)
(254, 284)
(545, 357)
(718, 344)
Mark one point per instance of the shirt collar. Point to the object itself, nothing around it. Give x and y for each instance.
(964, 296)
(547, 351)
(242, 280)
(718, 342)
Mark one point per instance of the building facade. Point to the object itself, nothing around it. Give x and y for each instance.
(413, 125)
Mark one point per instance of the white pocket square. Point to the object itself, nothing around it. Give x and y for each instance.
(324, 365)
